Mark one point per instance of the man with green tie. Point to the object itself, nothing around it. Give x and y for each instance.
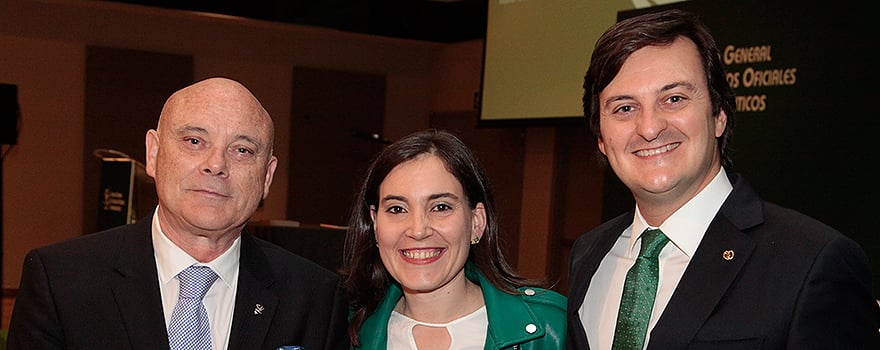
(701, 261)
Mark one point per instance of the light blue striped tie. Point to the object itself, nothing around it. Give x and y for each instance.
(189, 328)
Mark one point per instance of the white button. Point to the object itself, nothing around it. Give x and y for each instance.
(529, 292)
(531, 328)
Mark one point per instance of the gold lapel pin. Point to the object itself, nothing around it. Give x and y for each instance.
(259, 309)
(727, 255)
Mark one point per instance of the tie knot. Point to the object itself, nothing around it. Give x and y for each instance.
(653, 240)
(195, 281)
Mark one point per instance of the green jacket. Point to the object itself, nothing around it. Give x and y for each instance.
(536, 319)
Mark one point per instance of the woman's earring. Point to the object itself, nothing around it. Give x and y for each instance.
(475, 240)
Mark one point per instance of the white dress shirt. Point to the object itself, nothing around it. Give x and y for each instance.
(684, 228)
(220, 299)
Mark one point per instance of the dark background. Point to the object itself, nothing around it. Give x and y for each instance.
(428, 20)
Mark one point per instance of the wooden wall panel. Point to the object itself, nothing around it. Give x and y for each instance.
(501, 150)
(333, 113)
(124, 93)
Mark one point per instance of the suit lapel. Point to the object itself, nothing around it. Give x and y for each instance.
(255, 303)
(702, 286)
(722, 253)
(135, 288)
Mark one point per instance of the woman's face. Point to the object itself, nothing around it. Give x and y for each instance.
(424, 226)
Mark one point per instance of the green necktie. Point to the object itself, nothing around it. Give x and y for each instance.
(638, 294)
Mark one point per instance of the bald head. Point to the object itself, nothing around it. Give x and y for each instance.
(226, 96)
(211, 158)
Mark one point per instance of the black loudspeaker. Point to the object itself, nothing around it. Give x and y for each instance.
(9, 114)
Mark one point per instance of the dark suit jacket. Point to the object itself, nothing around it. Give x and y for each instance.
(101, 291)
(793, 283)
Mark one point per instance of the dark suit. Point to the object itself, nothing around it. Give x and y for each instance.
(101, 291)
(793, 283)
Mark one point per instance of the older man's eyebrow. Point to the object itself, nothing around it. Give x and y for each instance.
(252, 140)
(191, 129)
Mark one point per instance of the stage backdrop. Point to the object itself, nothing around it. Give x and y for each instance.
(806, 109)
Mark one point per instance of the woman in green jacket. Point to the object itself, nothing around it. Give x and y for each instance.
(423, 265)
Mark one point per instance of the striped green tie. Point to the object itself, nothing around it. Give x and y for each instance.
(638, 294)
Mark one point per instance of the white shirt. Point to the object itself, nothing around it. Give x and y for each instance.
(684, 228)
(220, 299)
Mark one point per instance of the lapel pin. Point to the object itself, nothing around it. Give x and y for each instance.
(727, 255)
(258, 310)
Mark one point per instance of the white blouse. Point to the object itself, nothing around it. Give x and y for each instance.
(467, 332)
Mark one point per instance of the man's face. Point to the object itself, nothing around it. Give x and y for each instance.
(658, 130)
(211, 159)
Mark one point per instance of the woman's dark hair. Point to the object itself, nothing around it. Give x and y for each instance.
(657, 29)
(364, 276)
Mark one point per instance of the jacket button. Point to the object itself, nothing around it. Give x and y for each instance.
(531, 328)
(529, 292)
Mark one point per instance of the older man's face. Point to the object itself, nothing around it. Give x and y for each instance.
(212, 160)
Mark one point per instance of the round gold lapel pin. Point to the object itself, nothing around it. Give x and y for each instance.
(727, 255)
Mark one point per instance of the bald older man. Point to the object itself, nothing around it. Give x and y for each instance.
(212, 161)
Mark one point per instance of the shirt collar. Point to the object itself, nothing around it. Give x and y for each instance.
(687, 225)
(170, 259)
